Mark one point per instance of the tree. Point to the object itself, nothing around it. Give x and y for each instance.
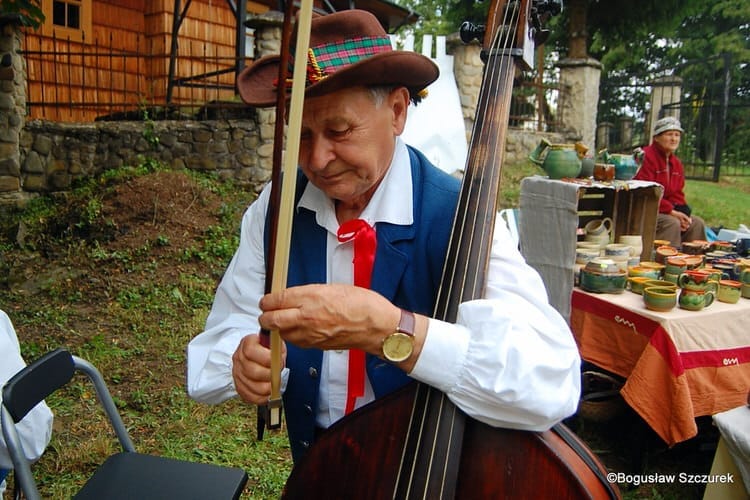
(29, 12)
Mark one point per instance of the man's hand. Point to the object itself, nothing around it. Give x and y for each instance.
(333, 316)
(251, 370)
(685, 220)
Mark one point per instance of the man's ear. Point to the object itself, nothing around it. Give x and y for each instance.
(398, 101)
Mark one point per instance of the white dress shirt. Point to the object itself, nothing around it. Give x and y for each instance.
(510, 359)
(35, 428)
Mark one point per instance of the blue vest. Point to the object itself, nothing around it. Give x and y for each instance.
(407, 271)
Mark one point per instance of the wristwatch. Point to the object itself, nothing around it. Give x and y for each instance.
(399, 345)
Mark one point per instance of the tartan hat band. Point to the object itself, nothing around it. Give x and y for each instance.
(326, 59)
(349, 48)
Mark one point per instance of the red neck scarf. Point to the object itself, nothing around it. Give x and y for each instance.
(365, 242)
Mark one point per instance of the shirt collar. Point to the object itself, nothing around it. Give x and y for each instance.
(391, 202)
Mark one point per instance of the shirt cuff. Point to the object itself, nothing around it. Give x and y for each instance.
(442, 356)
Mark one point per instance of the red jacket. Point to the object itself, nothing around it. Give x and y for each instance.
(672, 176)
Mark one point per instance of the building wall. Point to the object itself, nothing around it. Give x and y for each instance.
(123, 57)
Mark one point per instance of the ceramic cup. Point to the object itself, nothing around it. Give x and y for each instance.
(598, 226)
(697, 280)
(730, 291)
(693, 261)
(659, 299)
(695, 300)
(634, 241)
(727, 268)
(663, 252)
(675, 265)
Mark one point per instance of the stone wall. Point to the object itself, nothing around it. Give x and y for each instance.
(54, 154)
(12, 106)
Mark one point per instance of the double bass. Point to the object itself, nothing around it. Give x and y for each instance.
(415, 443)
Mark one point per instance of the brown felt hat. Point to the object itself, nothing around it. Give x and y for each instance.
(347, 49)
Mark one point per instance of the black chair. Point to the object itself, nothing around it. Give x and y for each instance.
(126, 474)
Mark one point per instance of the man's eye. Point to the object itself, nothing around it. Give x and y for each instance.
(338, 132)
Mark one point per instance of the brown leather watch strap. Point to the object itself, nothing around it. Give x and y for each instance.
(407, 322)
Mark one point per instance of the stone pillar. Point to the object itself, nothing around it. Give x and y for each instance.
(12, 109)
(665, 90)
(267, 28)
(626, 134)
(468, 69)
(579, 79)
(602, 135)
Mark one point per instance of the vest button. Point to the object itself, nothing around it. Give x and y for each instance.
(313, 372)
(305, 444)
(308, 409)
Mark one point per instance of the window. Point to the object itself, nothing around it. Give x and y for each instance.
(67, 19)
(66, 14)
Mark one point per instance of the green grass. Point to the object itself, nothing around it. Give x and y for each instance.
(726, 203)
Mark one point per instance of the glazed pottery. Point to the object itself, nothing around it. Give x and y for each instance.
(626, 166)
(636, 284)
(617, 250)
(665, 251)
(697, 280)
(634, 241)
(644, 272)
(558, 160)
(604, 172)
(660, 284)
(730, 291)
(602, 282)
(675, 265)
(659, 299)
(587, 167)
(586, 255)
(695, 300)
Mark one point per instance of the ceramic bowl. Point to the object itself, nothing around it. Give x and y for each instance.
(659, 299)
(602, 266)
(644, 272)
(617, 250)
(603, 282)
(586, 255)
(661, 284)
(636, 284)
(652, 265)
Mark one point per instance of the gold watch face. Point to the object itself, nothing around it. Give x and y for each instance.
(398, 346)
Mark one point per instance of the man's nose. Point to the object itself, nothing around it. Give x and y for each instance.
(320, 153)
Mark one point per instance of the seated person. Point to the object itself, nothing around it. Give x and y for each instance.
(675, 221)
(35, 429)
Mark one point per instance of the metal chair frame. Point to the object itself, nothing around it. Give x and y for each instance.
(119, 474)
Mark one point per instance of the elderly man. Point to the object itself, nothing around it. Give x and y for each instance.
(675, 221)
(353, 334)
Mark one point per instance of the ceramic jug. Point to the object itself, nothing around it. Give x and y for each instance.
(626, 166)
(559, 160)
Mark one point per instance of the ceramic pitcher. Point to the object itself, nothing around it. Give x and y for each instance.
(559, 160)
